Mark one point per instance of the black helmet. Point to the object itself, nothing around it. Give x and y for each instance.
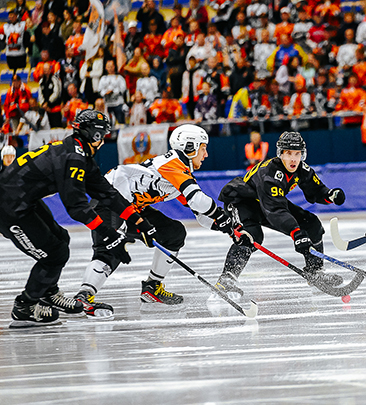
(91, 125)
(291, 141)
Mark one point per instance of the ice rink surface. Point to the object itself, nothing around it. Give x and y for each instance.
(303, 348)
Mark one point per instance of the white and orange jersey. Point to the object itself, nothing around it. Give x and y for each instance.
(162, 178)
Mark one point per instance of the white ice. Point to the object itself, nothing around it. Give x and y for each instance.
(303, 348)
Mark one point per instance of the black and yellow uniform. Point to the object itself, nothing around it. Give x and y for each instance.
(259, 199)
(65, 167)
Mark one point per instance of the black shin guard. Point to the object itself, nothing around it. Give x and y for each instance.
(236, 259)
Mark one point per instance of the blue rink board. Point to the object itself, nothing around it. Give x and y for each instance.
(349, 176)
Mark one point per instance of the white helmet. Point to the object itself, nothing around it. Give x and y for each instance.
(188, 138)
(8, 150)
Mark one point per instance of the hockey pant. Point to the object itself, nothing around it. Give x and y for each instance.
(39, 236)
(250, 215)
(171, 233)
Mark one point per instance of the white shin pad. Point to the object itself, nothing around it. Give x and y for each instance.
(96, 275)
(161, 265)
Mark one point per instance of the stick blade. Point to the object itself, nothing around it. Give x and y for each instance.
(252, 312)
(338, 242)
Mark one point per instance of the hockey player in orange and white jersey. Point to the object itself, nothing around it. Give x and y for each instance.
(162, 178)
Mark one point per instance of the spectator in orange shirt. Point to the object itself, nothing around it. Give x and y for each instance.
(352, 99)
(166, 109)
(16, 102)
(285, 27)
(256, 151)
(76, 40)
(359, 69)
(73, 106)
(151, 46)
(171, 33)
(133, 70)
(45, 58)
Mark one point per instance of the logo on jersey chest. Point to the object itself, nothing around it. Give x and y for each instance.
(279, 175)
(144, 199)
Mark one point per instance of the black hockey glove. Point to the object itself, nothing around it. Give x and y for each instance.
(337, 196)
(148, 232)
(242, 238)
(222, 222)
(302, 241)
(116, 244)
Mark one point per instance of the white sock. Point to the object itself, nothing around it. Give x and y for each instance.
(95, 276)
(161, 265)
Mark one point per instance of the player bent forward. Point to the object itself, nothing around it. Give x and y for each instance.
(161, 178)
(259, 199)
(68, 168)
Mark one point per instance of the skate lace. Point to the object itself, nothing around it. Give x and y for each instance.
(161, 290)
(40, 311)
(61, 300)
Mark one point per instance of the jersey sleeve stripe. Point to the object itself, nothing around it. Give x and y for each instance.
(211, 210)
(186, 184)
(95, 223)
(127, 212)
(191, 194)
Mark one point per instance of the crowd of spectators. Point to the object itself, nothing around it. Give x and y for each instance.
(261, 60)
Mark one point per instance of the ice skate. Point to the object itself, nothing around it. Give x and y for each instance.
(92, 308)
(67, 306)
(227, 283)
(27, 314)
(153, 296)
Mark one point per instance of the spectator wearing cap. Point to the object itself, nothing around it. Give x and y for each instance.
(16, 39)
(199, 13)
(133, 39)
(148, 12)
(284, 27)
(16, 101)
(151, 45)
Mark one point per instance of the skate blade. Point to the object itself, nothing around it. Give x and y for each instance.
(159, 307)
(17, 324)
(81, 314)
(100, 314)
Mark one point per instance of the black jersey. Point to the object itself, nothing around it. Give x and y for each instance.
(65, 167)
(269, 182)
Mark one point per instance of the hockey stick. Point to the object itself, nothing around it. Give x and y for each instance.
(339, 242)
(250, 313)
(321, 285)
(339, 262)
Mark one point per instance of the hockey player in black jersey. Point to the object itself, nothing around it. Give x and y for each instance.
(259, 199)
(68, 168)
